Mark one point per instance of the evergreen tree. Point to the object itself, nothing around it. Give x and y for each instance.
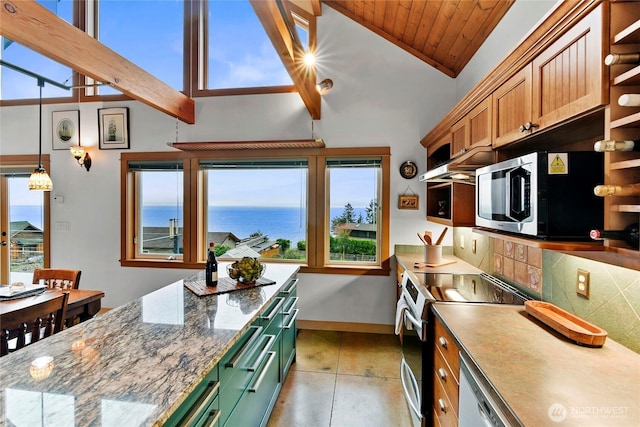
(372, 211)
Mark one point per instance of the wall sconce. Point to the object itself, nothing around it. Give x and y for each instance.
(81, 156)
(324, 86)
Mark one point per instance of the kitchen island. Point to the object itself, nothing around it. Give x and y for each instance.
(542, 377)
(136, 364)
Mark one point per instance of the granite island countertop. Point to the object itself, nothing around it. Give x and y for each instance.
(134, 365)
(534, 369)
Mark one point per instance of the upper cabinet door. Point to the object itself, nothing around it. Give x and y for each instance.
(512, 107)
(569, 77)
(480, 124)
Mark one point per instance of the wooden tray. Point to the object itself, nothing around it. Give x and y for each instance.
(427, 265)
(569, 325)
(225, 285)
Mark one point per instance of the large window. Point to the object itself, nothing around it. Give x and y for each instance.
(24, 220)
(326, 209)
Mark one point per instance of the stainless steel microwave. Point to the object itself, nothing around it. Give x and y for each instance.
(543, 194)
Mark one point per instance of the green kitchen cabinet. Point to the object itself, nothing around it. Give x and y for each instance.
(289, 331)
(202, 406)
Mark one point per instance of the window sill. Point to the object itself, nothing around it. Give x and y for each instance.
(347, 270)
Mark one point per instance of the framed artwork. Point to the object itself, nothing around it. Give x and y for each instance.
(113, 128)
(406, 201)
(65, 129)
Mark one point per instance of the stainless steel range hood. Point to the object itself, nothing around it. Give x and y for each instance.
(461, 168)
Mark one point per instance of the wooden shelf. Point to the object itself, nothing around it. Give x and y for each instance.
(625, 164)
(625, 208)
(554, 245)
(631, 34)
(628, 78)
(632, 120)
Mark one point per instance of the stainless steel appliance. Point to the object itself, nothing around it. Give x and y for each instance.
(547, 195)
(419, 291)
(478, 406)
(461, 168)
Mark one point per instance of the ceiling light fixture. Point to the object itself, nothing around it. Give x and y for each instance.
(324, 86)
(39, 179)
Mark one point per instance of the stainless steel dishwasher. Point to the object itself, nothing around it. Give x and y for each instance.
(476, 406)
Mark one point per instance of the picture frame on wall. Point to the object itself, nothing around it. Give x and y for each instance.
(113, 128)
(406, 201)
(65, 126)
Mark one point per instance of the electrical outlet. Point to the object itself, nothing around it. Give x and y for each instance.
(582, 283)
(461, 242)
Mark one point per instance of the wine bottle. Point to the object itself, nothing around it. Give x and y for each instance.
(629, 100)
(629, 234)
(211, 269)
(617, 190)
(608, 145)
(622, 58)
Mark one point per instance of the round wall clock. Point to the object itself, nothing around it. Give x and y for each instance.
(408, 170)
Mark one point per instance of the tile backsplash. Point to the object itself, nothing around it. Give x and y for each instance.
(614, 301)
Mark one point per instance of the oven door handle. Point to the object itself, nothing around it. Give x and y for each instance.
(416, 324)
(406, 370)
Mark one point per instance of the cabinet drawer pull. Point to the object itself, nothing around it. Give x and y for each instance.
(290, 287)
(443, 342)
(442, 406)
(256, 385)
(274, 310)
(208, 394)
(260, 358)
(442, 374)
(289, 309)
(528, 126)
(293, 319)
(212, 418)
(257, 332)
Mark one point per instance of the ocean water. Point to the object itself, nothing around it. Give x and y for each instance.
(277, 223)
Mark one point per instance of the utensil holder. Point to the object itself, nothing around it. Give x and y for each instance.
(433, 254)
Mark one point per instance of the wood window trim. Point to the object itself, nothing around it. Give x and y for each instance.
(193, 244)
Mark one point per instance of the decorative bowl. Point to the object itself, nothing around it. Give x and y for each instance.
(246, 271)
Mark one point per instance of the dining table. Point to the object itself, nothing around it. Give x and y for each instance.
(82, 305)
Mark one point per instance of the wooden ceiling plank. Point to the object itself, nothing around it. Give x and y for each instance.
(439, 29)
(379, 12)
(369, 11)
(358, 8)
(390, 16)
(35, 27)
(429, 15)
(415, 17)
(276, 28)
(402, 18)
(497, 13)
(444, 52)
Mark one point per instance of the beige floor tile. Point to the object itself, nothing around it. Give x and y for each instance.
(369, 402)
(304, 401)
(317, 351)
(370, 355)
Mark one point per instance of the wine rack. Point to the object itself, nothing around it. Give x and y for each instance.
(623, 123)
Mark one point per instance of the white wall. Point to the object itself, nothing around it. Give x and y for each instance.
(382, 96)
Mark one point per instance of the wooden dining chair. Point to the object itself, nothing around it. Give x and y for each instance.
(56, 278)
(32, 323)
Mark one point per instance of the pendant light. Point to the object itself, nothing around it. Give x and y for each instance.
(39, 179)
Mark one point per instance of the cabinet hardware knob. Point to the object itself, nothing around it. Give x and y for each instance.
(443, 374)
(443, 342)
(442, 405)
(527, 126)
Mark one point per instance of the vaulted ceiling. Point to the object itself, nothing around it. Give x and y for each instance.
(443, 33)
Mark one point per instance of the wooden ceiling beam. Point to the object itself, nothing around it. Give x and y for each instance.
(312, 7)
(35, 27)
(291, 55)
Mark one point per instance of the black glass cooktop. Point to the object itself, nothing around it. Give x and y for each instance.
(471, 288)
